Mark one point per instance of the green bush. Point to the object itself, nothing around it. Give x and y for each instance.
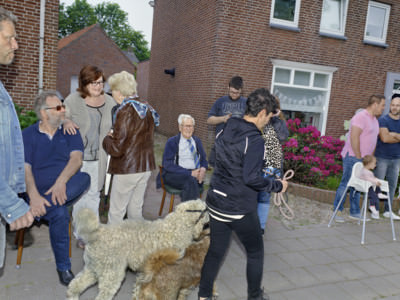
(26, 118)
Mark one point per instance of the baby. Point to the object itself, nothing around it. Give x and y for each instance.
(374, 192)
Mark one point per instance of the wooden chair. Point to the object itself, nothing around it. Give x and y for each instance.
(170, 190)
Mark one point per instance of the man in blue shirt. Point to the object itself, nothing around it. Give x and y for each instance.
(13, 209)
(231, 105)
(53, 178)
(387, 150)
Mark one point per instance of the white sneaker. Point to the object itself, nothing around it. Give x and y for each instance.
(395, 217)
(382, 196)
(374, 213)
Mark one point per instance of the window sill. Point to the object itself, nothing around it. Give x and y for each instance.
(333, 35)
(284, 27)
(373, 43)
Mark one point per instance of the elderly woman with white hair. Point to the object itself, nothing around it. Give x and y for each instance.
(184, 160)
(130, 146)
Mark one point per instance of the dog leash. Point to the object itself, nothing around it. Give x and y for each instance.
(279, 200)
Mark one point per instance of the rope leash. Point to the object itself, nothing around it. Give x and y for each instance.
(279, 200)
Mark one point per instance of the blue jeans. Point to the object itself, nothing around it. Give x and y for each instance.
(389, 169)
(348, 163)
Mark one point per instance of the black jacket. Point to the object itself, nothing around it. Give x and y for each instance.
(237, 179)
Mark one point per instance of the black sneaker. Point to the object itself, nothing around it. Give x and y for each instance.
(65, 277)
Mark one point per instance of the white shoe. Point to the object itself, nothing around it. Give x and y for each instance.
(395, 217)
(382, 196)
(374, 213)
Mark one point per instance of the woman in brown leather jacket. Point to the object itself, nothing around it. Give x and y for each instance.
(130, 145)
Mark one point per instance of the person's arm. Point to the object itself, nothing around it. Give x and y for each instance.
(388, 137)
(58, 190)
(114, 144)
(355, 140)
(37, 202)
(70, 127)
(214, 120)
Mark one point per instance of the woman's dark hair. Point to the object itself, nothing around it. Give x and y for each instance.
(87, 75)
(258, 100)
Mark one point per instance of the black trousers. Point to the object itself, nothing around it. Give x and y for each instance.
(187, 183)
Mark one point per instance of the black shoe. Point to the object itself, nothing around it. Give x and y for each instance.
(262, 231)
(262, 296)
(65, 276)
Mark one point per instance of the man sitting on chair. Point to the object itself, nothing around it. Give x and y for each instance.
(184, 160)
(52, 174)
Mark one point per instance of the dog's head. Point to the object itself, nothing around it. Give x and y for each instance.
(194, 212)
(86, 223)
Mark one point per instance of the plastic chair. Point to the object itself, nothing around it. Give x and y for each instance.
(170, 190)
(363, 186)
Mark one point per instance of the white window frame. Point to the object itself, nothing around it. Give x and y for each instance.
(311, 68)
(293, 24)
(344, 6)
(385, 25)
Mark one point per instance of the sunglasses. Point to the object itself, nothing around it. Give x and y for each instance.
(57, 108)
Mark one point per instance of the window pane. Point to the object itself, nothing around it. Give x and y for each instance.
(285, 9)
(376, 21)
(320, 80)
(282, 75)
(302, 78)
(332, 15)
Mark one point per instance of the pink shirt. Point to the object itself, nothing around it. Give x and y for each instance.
(367, 175)
(369, 135)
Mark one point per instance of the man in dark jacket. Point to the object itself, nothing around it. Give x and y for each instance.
(232, 197)
(184, 160)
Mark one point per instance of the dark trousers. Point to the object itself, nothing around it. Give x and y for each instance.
(58, 218)
(249, 234)
(187, 183)
(373, 196)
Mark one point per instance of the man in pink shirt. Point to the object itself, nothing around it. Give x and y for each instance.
(361, 141)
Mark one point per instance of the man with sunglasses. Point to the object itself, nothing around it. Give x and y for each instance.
(13, 209)
(53, 178)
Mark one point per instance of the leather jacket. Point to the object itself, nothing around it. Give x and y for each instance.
(131, 145)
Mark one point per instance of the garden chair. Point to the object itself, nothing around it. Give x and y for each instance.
(363, 186)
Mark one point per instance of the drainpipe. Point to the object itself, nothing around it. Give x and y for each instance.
(41, 43)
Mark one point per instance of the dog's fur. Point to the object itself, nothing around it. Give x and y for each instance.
(168, 276)
(110, 249)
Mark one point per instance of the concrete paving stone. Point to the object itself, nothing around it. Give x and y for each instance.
(314, 243)
(381, 285)
(372, 267)
(300, 294)
(348, 270)
(293, 244)
(335, 240)
(361, 252)
(393, 248)
(324, 273)
(359, 290)
(236, 286)
(389, 264)
(274, 247)
(380, 251)
(272, 262)
(333, 291)
(378, 237)
(274, 282)
(277, 296)
(300, 277)
(318, 257)
(339, 254)
(295, 259)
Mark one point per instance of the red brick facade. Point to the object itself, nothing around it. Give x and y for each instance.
(142, 78)
(21, 78)
(208, 42)
(91, 46)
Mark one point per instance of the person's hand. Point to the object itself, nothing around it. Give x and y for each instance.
(226, 117)
(70, 127)
(110, 133)
(195, 173)
(38, 205)
(378, 183)
(25, 221)
(284, 185)
(202, 174)
(277, 113)
(58, 193)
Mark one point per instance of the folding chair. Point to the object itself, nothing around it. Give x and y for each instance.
(363, 186)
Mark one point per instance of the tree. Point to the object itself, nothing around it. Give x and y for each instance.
(111, 18)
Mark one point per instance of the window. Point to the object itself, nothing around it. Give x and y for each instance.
(333, 17)
(285, 12)
(303, 91)
(377, 22)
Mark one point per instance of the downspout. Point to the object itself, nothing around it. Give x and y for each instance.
(41, 43)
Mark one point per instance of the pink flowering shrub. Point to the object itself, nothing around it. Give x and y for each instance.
(313, 157)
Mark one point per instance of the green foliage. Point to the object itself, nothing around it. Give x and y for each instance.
(27, 118)
(330, 183)
(111, 18)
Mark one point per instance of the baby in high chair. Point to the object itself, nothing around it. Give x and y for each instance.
(374, 192)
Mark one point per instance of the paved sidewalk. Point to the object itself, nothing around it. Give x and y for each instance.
(310, 262)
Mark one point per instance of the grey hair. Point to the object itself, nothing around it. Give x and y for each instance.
(40, 101)
(6, 15)
(184, 116)
(123, 82)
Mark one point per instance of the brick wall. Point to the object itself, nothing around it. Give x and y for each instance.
(142, 78)
(94, 48)
(21, 78)
(210, 41)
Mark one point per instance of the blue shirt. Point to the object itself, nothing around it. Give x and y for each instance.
(48, 156)
(12, 172)
(388, 150)
(225, 105)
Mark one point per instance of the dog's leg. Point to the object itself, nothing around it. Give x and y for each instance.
(81, 282)
(184, 293)
(110, 282)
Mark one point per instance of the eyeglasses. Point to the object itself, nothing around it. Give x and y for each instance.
(57, 108)
(97, 83)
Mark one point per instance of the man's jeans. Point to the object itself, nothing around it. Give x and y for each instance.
(348, 163)
(389, 169)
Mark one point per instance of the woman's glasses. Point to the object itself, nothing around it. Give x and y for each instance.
(57, 108)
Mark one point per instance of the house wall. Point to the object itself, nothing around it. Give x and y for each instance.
(91, 48)
(142, 78)
(21, 78)
(211, 41)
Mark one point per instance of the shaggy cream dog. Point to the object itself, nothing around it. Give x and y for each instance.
(169, 276)
(110, 249)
